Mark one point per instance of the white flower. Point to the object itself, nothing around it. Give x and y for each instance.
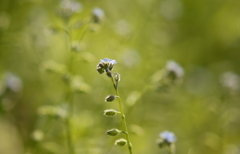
(230, 81)
(68, 7)
(13, 82)
(98, 15)
(175, 69)
(72, 6)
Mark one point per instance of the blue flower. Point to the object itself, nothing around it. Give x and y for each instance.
(106, 60)
(168, 136)
(106, 65)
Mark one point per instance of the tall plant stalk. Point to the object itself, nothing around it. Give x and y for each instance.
(106, 65)
(123, 116)
(69, 95)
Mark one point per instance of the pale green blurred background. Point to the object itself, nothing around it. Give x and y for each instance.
(203, 36)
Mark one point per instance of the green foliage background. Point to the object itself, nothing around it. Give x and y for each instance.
(203, 36)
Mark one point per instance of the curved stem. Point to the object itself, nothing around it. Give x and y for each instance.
(123, 117)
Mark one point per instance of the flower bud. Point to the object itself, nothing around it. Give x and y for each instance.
(98, 15)
(110, 67)
(110, 98)
(110, 112)
(113, 132)
(37, 135)
(120, 142)
(174, 71)
(109, 74)
(105, 65)
(66, 78)
(100, 65)
(100, 70)
(117, 77)
(160, 143)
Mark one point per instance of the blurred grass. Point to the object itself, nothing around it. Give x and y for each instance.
(202, 36)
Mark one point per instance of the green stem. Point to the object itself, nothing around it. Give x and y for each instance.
(69, 93)
(69, 136)
(69, 100)
(169, 150)
(85, 30)
(123, 117)
(69, 96)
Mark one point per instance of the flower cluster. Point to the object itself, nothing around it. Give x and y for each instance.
(68, 8)
(106, 65)
(165, 78)
(166, 140)
(168, 136)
